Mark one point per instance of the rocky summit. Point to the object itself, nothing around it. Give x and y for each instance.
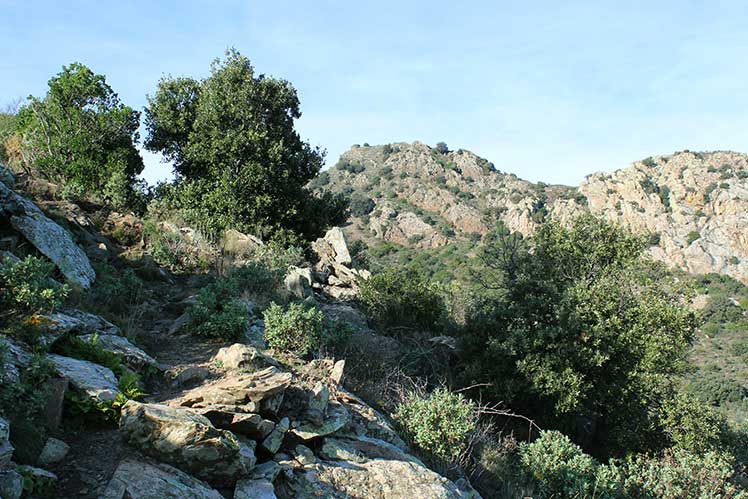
(692, 205)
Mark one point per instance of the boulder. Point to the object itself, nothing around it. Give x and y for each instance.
(54, 451)
(254, 489)
(239, 244)
(57, 324)
(240, 423)
(11, 484)
(298, 282)
(6, 449)
(367, 421)
(133, 356)
(55, 389)
(337, 372)
(239, 389)
(375, 470)
(336, 418)
(318, 403)
(332, 247)
(48, 237)
(95, 381)
(184, 439)
(136, 479)
(16, 357)
(6, 176)
(191, 375)
(239, 356)
(274, 441)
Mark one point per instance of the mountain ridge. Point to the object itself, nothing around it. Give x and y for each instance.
(692, 204)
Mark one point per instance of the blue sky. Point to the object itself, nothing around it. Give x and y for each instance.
(548, 90)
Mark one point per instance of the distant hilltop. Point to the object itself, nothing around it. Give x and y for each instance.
(693, 205)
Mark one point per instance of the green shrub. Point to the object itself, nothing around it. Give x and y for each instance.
(91, 350)
(557, 467)
(692, 425)
(395, 299)
(299, 329)
(218, 313)
(361, 205)
(81, 134)
(26, 287)
(439, 423)
(693, 236)
(114, 291)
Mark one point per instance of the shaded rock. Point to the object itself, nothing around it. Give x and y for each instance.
(133, 356)
(6, 449)
(247, 453)
(7, 177)
(38, 474)
(337, 417)
(184, 439)
(318, 403)
(15, 358)
(239, 388)
(191, 375)
(55, 389)
(75, 321)
(179, 323)
(248, 424)
(268, 470)
(274, 441)
(298, 282)
(54, 451)
(367, 421)
(6, 257)
(11, 484)
(134, 479)
(271, 406)
(304, 455)
(255, 335)
(254, 489)
(239, 356)
(97, 382)
(49, 238)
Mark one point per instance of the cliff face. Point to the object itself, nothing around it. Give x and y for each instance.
(693, 204)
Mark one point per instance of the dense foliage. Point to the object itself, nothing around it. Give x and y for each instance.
(299, 329)
(580, 325)
(27, 288)
(82, 135)
(239, 161)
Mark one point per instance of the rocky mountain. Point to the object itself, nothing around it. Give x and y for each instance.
(693, 206)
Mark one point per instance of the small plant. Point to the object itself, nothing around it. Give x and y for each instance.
(218, 313)
(693, 236)
(27, 287)
(299, 329)
(439, 423)
(91, 350)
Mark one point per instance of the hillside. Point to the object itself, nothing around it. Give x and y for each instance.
(693, 205)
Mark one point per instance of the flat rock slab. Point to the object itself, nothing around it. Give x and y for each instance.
(97, 382)
(336, 418)
(58, 324)
(239, 389)
(247, 424)
(254, 489)
(135, 479)
(184, 439)
(133, 356)
(48, 237)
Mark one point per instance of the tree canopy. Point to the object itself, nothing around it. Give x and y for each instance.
(81, 134)
(238, 159)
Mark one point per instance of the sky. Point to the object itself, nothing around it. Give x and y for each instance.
(548, 90)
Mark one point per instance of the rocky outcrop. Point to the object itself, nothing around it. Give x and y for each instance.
(97, 382)
(694, 205)
(184, 439)
(6, 448)
(48, 237)
(140, 479)
(132, 356)
(242, 390)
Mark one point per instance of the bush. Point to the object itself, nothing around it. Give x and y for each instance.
(361, 205)
(438, 424)
(218, 313)
(693, 236)
(81, 134)
(26, 287)
(392, 299)
(299, 329)
(441, 148)
(239, 161)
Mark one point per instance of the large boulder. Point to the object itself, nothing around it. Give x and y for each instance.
(255, 489)
(73, 321)
(184, 439)
(239, 356)
(54, 451)
(298, 282)
(239, 389)
(11, 484)
(134, 479)
(240, 423)
(48, 237)
(97, 382)
(371, 469)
